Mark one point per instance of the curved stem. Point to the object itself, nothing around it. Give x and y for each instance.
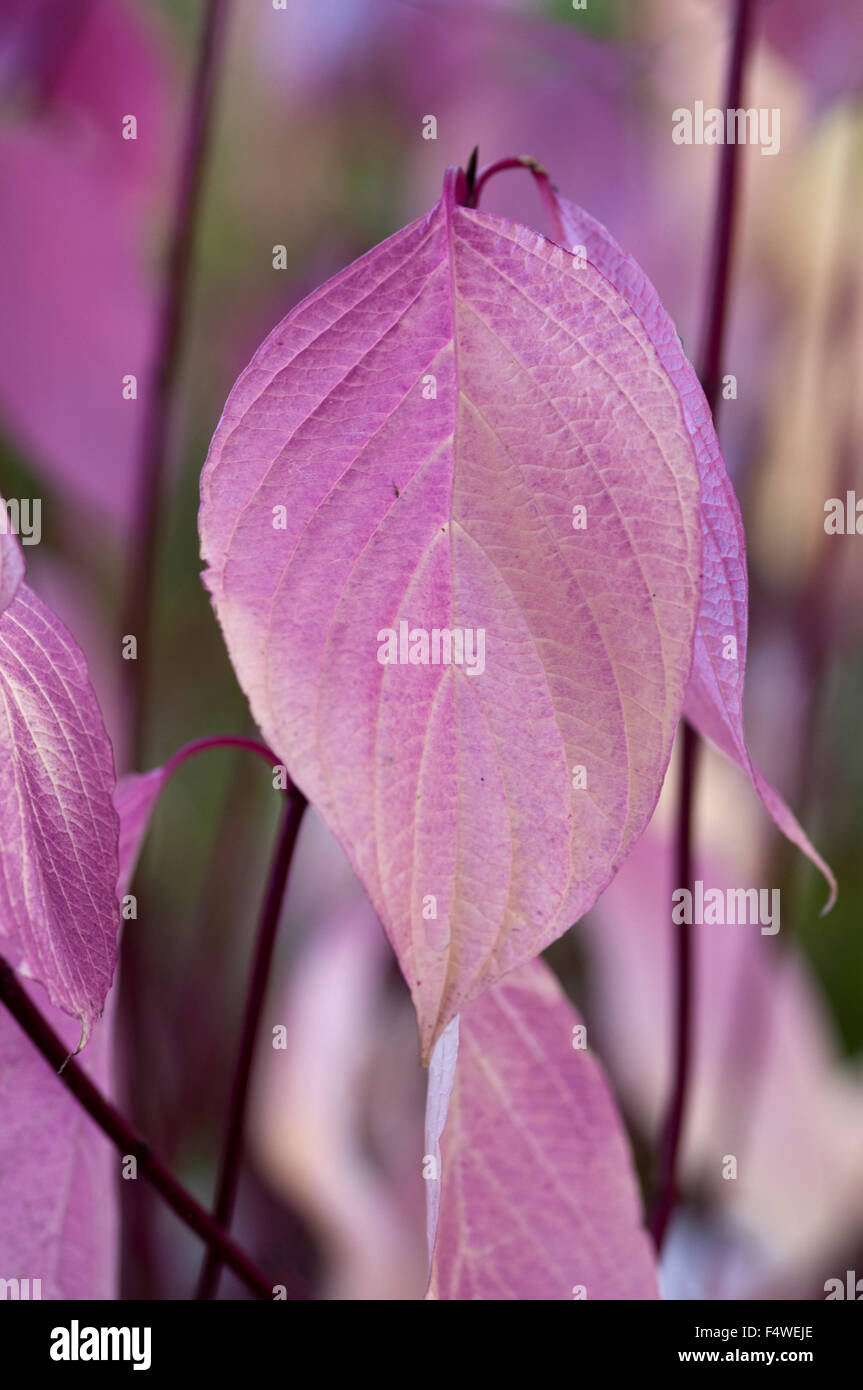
(229, 1169)
(201, 745)
(500, 166)
(543, 183)
(709, 371)
(72, 1075)
(137, 604)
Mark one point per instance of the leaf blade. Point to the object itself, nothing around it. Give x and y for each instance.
(537, 1196)
(454, 511)
(58, 850)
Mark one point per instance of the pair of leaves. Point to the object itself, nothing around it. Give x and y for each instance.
(410, 445)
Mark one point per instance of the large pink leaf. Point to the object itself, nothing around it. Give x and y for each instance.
(714, 696)
(538, 1199)
(456, 511)
(58, 827)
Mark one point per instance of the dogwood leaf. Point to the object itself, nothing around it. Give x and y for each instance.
(714, 696)
(411, 446)
(58, 827)
(538, 1198)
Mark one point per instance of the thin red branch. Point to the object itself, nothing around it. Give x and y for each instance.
(137, 604)
(709, 371)
(229, 1169)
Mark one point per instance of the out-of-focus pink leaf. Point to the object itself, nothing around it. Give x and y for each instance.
(824, 42)
(766, 1084)
(58, 1172)
(11, 562)
(714, 696)
(76, 298)
(58, 826)
(538, 1195)
(118, 64)
(310, 1123)
(77, 319)
(428, 421)
(85, 69)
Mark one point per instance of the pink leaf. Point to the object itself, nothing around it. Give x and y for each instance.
(58, 1204)
(825, 42)
(119, 63)
(538, 1196)
(766, 1082)
(428, 420)
(311, 1122)
(74, 324)
(714, 696)
(58, 827)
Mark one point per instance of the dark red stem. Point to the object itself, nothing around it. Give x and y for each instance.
(112, 1123)
(709, 371)
(201, 745)
(543, 183)
(137, 605)
(229, 1169)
